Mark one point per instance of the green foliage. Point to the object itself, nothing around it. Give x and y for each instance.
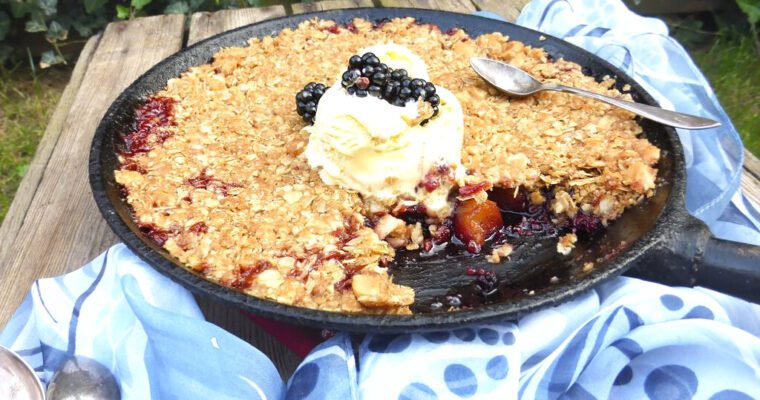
(26, 101)
(60, 20)
(751, 8)
(53, 19)
(730, 64)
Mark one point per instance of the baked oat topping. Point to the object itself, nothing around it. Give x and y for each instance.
(215, 169)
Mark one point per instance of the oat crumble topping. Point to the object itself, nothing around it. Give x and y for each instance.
(228, 189)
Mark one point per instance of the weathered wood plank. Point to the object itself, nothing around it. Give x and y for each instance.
(205, 24)
(301, 8)
(751, 187)
(507, 9)
(463, 6)
(63, 229)
(751, 164)
(29, 184)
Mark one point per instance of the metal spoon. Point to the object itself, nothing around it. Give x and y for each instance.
(516, 82)
(81, 378)
(17, 379)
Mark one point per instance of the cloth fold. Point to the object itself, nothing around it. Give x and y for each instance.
(145, 328)
(625, 339)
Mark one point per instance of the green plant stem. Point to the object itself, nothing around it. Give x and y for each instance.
(31, 63)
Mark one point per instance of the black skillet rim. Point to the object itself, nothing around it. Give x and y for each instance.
(474, 25)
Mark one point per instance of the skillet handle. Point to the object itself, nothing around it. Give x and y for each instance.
(694, 257)
(731, 268)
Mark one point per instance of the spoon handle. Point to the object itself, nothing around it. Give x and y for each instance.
(667, 117)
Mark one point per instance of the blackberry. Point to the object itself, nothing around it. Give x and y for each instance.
(349, 77)
(308, 99)
(398, 74)
(366, 56)
(372, 60)
(374, 90)
(391, 89)
(430, 88)
(379, 78)
(366, 75)
(487, 285)
(354, 61)
(368, 70)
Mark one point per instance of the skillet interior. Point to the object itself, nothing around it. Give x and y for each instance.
(532, 266)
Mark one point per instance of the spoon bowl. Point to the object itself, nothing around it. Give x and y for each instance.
(506, 77)
(518, 83)
(17, 378)
(81, 378)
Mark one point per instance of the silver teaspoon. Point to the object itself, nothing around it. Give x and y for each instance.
(82, 378)
(518, 83)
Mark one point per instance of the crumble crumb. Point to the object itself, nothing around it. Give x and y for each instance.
(498, 253)
(566, 243)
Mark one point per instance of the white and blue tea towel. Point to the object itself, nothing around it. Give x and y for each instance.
(626, 339)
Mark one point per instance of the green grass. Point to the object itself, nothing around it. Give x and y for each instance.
(26, 103)
(732, 64)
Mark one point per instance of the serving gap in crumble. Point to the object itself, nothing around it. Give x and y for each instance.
(216, 168)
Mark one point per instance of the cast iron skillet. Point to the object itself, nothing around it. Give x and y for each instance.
(659, 238)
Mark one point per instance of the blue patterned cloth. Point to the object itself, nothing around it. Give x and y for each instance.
(626, 339)
(145, 328)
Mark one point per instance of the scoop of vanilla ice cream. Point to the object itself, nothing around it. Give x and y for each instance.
(371, 146)
(399, 57)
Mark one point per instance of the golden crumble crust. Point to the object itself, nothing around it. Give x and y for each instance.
(263, 221)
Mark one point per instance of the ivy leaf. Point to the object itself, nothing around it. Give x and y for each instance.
(83, 26)
(56, 32)
(48, 7)
(50, 58)
(20, 8)
(5, 24)
(195, 5)
(35, 25)
(177, 8)
(90, 6)
(122, 11)
(139, 4)
(751, 8)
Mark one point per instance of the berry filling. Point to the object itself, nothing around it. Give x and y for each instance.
(150, 118)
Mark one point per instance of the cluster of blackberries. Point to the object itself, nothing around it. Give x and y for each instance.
(366, 75)
(487, 285)
(307, 99)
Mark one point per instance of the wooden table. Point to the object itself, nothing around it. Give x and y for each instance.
(53, 225)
